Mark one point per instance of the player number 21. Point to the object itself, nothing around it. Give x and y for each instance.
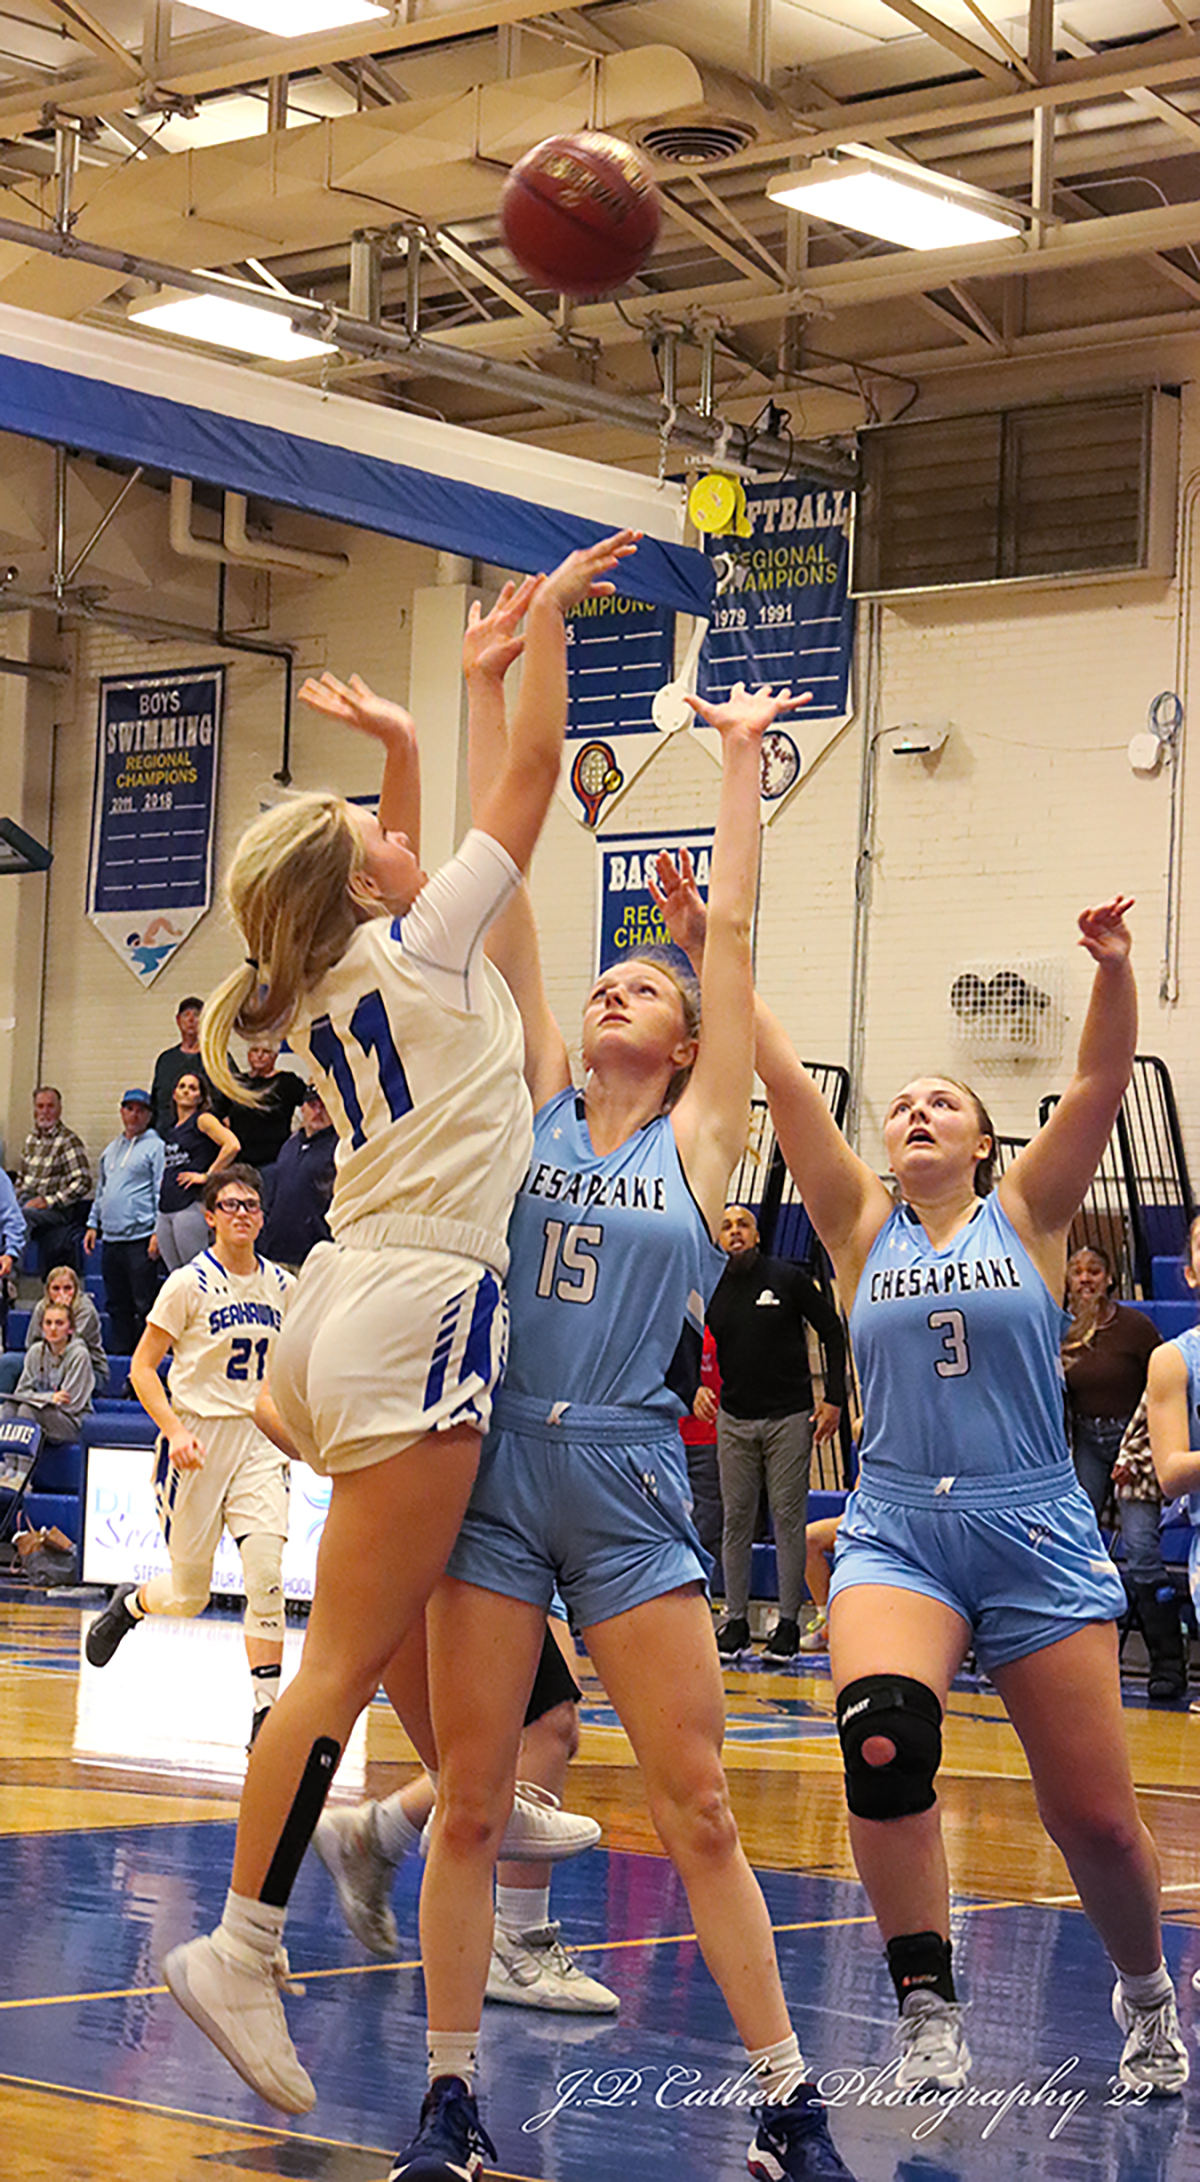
(575, 1256)
(239, 1358)
(956, 1363)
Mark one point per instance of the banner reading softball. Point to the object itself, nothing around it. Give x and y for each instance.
(618, 654)
(628, 920)
(157, 754)
(784, 614)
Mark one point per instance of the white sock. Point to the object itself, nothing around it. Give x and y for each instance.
(522, 1909)
(1147, 1991)
(395, 1835)
(253, 1925)
(779, 2069)
(452, 2053)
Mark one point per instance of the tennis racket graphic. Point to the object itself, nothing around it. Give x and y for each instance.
(595, 776)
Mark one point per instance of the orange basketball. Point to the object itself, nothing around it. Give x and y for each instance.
(580, 213)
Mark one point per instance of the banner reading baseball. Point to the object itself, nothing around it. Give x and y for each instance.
(628, 920)
(618, 654)
(157, 755)
(784, 614)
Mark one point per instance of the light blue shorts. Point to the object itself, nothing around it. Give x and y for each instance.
(596, 1504)
(1019, 1557)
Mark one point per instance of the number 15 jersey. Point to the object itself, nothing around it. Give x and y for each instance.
(957, 1353)
(223, 1328)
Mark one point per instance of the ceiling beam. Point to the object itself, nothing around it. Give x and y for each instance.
(952, 41)
(706, 233)
(92, 34)
(1147, 102)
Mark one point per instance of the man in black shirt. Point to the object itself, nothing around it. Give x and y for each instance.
(177, 1061)
(299, 1187)
(263, 1126)
(767, 1423)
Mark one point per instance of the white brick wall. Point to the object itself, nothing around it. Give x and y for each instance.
(1030, 812)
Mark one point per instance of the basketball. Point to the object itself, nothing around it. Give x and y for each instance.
(580, 213)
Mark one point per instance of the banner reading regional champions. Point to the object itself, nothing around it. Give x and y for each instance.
(157, 755)
(783, 614)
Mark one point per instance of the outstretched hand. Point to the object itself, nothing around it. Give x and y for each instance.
(355, 704)
(676, 896)
(749, 711)
(1104, 932)
(492, 641)
(581, 575)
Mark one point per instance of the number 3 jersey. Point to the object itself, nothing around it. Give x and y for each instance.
(417, 1045)
(223, 1328)
(611, 1269)
(957, 1353)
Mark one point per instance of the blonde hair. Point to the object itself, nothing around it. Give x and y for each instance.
(294, 889)
(63, 1272)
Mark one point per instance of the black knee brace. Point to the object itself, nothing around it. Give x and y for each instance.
(911, 1718)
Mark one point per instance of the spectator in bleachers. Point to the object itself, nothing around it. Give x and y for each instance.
(263, 1126)
(299, 1187)
(1106, 1352)
(57, 1382)
(1139, 1508)
(124, 1211)
(199, 1145)
(54, 1181)
(175, 1061)
(13, 1237)
(767, 1423)
(63, 1286)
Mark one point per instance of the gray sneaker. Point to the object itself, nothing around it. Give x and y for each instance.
(347, 1844)
(234, 1999)
(533, 1970)
(1154, 2057)
(931, 2044)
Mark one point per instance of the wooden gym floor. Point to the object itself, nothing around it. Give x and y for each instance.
(117, 1802)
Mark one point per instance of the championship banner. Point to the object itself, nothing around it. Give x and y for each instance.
(784, 614)
(619, 653)
(628, 919)
(157, 756)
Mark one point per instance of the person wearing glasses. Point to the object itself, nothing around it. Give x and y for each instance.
(219, 1316)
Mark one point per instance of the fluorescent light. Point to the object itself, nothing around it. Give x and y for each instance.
(918, 210)
(294, 18)
(228, 325)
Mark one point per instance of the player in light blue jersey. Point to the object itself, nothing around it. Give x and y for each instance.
(968, 1523)
(583, 1486)
(383, 1377)
(1173, 1418)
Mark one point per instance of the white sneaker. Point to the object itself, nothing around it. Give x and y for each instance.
(234, 1999)
(348, 1846)
(539, 1831)
(1154, 2055)
(1196, 1981)
(932, 2047)
(816, 1636)
(534, 1971)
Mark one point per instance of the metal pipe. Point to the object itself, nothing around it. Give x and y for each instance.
(366, 270)
(59, 576)
(101, 527)
(412, 284)
(28, 671)
(708, 355)
(66, 160)
(707, 436)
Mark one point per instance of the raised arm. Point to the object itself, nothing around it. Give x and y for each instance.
(355, 704)
(1046, 1184)
(712, 1117)
(1176, 1461)
(845, 1201)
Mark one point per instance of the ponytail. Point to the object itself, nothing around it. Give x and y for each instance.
(291, 892)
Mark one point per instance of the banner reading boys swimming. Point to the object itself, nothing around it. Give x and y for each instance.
(157, 755)
(618, 654)
(628, 920)
(784, 615)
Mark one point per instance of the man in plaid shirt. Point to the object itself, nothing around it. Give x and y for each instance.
(54, 1182)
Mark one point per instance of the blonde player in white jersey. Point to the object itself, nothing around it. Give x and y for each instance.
(385, 1372)
(218, 1317)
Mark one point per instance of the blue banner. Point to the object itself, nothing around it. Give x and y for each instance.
(628, 920)
(157, 757)
(784, 614)
(619, 653)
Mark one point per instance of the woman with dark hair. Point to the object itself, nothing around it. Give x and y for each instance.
(1105, 1353)
(968, 1523)
(197, 1146)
